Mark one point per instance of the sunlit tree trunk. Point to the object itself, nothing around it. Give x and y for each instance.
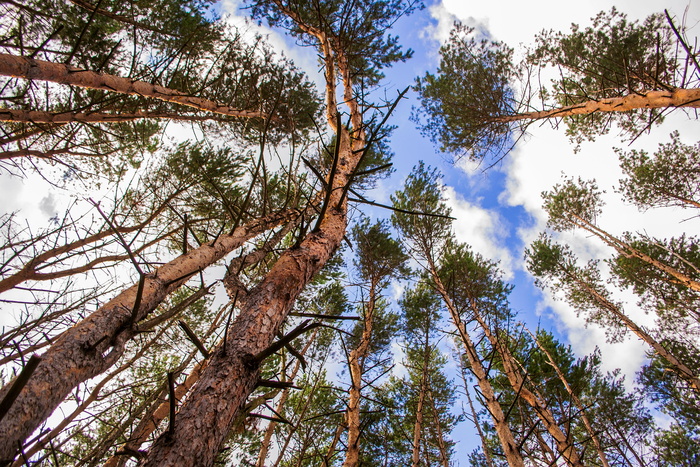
(40, 70)
(505, 435)
(650, 100)
(96, 343)
(518, 383)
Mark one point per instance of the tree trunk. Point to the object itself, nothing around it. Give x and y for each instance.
(418, 426)
(95, 343)
(356, 364)
(204, 420)
(650, 100)
(475, 420)
(438, 428)
(505, 435)
(32, 116)
(517, 382)
(577, 402)
(628, 251)
(677, 366)
(32, 69)
(270, 430)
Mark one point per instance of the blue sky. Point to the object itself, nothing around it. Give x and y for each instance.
(498, 210)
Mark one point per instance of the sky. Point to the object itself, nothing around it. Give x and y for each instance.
(498, 211)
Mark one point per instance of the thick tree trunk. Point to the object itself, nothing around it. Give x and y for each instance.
(32, 69)
(505, 435)
(356, 363)
(650, 100)
(95, 343)
(204, 420)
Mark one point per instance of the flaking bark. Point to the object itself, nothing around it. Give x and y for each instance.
(94, 344)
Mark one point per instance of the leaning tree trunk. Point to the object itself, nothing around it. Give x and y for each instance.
(34, 116)
(577, 401)
(505, 435)
(40, 70)
(204, 420)
(650, 100)
(676, 365)
(96, 343)
(517, 381)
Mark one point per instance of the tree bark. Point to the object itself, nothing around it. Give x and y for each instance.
(677, 366)
(33, 116)
(32, 69)
(356, 364)
(650, 100)
(517, 381)
(505, 435)
(577, 401)
(628, 251)
(95, 343)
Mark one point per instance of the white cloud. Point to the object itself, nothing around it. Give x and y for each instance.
(481, 228)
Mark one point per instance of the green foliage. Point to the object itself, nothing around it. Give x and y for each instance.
(379, 258)
(554, 266)
(474, 282)
(572, 204)
(658, 290)
(671, 177)
(359, 29)
(461, 103)
(612, 58)
(422, 193)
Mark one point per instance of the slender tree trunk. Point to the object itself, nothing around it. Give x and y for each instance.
(677, 366)
(505, 435)
(628, 251)
(94, 344)
(418, 425)
(269, 432)
(444, 459)
(356, 363)
(331, 449)
(518, 383)
(577, 402)
(39, 70)
(475, 420)
(650, 100)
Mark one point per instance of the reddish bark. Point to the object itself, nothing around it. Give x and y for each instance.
(32, 69)
(94, 344)
(650, 100)
(505, 435)
(356, 363)
(32, 116)
(205, 419)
